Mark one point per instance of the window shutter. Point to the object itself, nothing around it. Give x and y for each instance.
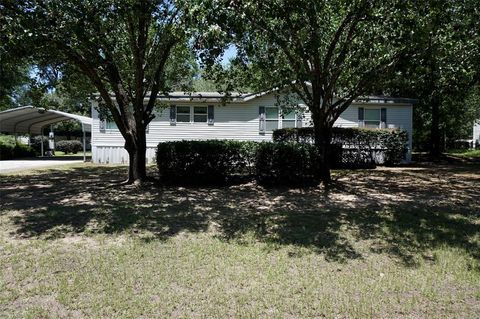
(261, 117)
(211, 115)
(360, 117)
(173, 115)
(383, 118)
(103, 125)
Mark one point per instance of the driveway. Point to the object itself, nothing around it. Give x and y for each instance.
(25, 164)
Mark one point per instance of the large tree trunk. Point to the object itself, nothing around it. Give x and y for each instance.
(323, 139)
(137, 148)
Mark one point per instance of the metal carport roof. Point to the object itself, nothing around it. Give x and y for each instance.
(29, 119)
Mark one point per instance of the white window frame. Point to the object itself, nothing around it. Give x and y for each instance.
(279, 118)
(191, 114)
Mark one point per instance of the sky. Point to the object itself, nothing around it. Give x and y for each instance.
(229, 53)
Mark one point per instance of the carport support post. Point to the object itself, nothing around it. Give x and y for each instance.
(84, 146)
(41, 145)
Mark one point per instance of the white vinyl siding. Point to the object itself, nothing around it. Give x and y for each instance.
(476, 133)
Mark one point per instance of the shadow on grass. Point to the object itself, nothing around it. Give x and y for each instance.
(402, 212)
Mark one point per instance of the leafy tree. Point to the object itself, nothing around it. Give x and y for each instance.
(326, 52)
(129, 50)
(13, 76)
(442, 70)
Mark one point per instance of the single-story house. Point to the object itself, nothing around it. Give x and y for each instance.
(247, 117)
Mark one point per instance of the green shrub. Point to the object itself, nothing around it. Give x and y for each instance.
(205, 162)
(287, 164)
(10, 149)
(361, 147)
(36, 144)
(69, 146)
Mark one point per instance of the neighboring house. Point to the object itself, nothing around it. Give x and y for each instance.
(247, 117)
(476, 134)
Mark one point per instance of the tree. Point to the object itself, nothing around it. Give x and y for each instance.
(443, 69)
(13, 75)
(326, 52)
(129, 50)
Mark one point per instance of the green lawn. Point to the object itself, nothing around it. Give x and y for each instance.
(465, 153)
(59, 153)
(382, 243)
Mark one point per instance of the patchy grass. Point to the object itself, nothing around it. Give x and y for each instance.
(465, 153)
(401, 242)
(62, 154)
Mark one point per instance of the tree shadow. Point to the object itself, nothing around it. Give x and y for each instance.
(401, 212)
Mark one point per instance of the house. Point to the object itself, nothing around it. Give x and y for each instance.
(476, 134)
(248, 117)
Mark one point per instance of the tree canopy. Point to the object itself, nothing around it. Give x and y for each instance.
(327, 52)
(129, 50)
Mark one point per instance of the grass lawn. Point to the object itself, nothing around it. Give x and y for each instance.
(60, 153)
(465, 153)
(399, 242)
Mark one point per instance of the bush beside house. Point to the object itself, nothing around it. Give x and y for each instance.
(291, 159)
(205, 162)
(360, 147)
(286, 164)
(69, 146)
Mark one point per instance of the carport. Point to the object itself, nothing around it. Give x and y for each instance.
(32, 120)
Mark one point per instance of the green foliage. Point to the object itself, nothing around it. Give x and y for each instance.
(221, 161)
(441, 72)
(360, 147)
(36, 144)
(286, 164)
(69, 146)
(327, 53)
(10, 149)
(204, 162)
(124, 48)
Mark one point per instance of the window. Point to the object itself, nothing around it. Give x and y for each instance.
(188, 114)
(183, 114)
(372, 118)
(275, 119)
(111, 125)
(200, 114)
(288, 119)
(271, 118)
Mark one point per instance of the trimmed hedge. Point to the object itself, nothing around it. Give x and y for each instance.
(205, 162)
(10, 149)
(287, 164)
(361, 147)
(223, 161)
(69, 146)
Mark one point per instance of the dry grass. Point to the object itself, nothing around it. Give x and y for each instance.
(401, 242)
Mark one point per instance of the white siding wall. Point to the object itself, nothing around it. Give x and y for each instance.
(476, 133)
(234, 121)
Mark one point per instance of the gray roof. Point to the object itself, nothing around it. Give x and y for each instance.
(29, 119)
(245, 97)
